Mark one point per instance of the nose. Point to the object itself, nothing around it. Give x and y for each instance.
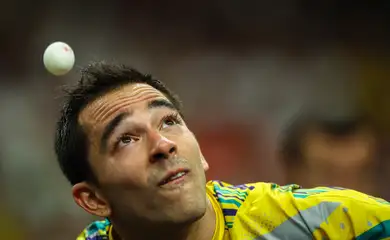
(162, 148)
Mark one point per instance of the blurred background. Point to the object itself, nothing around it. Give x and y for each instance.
(288, 91)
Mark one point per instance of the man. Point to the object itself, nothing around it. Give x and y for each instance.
(124, 146)
(320, 150)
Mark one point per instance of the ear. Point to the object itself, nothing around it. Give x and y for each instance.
(89, 199)
(204, 163)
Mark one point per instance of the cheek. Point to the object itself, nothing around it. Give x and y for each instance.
(124, 170)
(188, 147)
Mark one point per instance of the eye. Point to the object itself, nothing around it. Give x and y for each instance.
(170, 120)
(125, 139)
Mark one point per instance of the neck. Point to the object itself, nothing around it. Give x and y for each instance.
(202, 228)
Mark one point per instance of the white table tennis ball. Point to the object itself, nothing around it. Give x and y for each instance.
(58, 58)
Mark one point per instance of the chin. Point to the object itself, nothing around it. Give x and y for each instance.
(188, 211)
(197, 214)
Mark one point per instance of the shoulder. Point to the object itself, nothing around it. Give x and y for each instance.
(261, 192)
(98, 230)
(233, 196)
(249, 191)
(307, 197)
(239, 200)
(265, 209)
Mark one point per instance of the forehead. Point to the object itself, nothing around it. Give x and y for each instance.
(116, 101)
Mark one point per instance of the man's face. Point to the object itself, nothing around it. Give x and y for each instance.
(147, 162)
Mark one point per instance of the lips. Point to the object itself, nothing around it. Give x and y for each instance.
(173, 175)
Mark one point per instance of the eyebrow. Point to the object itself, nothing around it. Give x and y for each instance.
(110, 128)
(158, 103)
(115, 122)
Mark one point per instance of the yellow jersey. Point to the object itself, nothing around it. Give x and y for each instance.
(267, 211)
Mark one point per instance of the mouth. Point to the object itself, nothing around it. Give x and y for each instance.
(174, 177)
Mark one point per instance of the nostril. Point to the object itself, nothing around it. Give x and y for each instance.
(172, 150)
(159, 156)
(163, 151)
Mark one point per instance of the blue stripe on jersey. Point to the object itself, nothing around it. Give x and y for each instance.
(380, 231)
(229, 212)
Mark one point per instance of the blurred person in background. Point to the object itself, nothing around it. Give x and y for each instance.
(123, 144)
(317, 150)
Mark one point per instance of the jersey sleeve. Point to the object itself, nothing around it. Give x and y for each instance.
(336, 213)
(290, 212)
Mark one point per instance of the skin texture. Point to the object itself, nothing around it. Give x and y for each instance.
(150, 141)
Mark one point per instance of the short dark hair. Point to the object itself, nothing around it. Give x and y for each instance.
(97, 79)
(290, 144)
